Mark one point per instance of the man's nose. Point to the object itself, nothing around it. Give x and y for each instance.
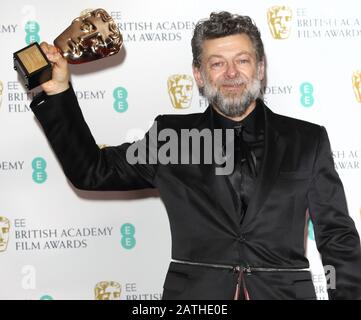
(231, 71)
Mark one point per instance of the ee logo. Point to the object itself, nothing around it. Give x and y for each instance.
(120, 95)
(127, 230)
(307, 99)
(311, 232)
(32, 29)
(39, 173)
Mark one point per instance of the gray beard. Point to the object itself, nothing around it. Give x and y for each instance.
(231, 106)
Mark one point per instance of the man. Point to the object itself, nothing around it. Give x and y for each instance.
(236, 236)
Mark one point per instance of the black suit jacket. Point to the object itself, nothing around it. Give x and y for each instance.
(297, 174)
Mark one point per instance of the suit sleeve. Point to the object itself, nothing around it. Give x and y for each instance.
(86, 165)
(336, 236)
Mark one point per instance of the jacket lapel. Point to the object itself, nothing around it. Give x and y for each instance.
(218, 184)
(275, 146)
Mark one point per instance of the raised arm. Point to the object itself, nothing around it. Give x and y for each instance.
(86, 165)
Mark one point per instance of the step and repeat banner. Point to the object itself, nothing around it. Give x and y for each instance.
(57, 242)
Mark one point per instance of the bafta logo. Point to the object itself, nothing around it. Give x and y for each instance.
(1, 92)
(356, 83)
(180, 89)
(4, 233)
(107, 290)
(279, 21)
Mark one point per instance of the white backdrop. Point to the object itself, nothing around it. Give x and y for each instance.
(58, 242)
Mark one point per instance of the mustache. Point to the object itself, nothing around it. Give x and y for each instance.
(232, 82)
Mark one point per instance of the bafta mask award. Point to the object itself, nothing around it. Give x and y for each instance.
(91, 36)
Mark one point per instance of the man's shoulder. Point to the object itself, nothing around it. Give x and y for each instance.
(289, 122)
(293, 128)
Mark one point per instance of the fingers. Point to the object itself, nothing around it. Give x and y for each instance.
(48, 48)
(60, 72)
(55, 58)
(50, 51)
(45, 47)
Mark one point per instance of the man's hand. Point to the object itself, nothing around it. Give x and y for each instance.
(60, 73)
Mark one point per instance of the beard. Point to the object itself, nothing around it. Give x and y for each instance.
(231, 104)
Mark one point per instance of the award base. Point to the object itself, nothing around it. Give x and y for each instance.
(32, 65)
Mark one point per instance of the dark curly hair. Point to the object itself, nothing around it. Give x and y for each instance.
(224, 24)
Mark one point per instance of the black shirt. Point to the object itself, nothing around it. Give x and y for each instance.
(251, 149)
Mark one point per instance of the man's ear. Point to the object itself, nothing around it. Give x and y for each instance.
(261, 67)
(198, 76)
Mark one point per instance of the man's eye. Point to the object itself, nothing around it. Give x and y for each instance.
(243, 61)
(217, 64)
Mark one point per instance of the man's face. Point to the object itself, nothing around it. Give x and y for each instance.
(4, 233)
(230, 75)
(85, 39)
(279, 20)
(180, 90)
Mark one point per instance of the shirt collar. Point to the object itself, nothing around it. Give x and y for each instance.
(253, 123)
